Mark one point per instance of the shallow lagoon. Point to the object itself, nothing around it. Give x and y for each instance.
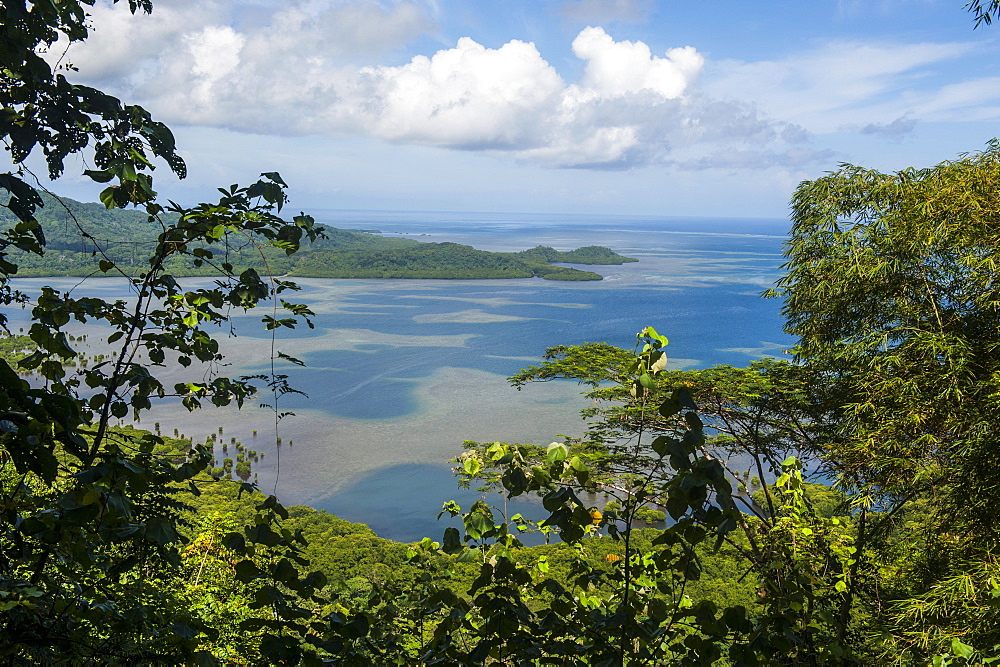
(399, 372)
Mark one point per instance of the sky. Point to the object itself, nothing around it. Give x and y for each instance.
(629, 107)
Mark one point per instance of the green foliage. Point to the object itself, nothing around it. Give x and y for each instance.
(591, 254)
(124, 547)
(757, 415)
(78, 237)
(427, 260)
(13, 348)
(984, 12)
(91, 526)
(892, 291)
(627, 598)
(549, 272)
(435, 260)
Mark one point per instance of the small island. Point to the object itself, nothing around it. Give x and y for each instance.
(123, 236)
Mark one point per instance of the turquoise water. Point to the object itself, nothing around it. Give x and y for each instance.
(398, 373)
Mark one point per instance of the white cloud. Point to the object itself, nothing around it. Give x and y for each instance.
(215, 54)
(122, 48)
(300, 68)
(616, 69)
(977, 99)
(468, 97)
(851, 84)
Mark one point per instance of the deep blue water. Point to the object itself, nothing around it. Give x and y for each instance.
(398, 372)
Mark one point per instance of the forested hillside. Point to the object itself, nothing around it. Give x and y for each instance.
(79, 236)
(840, 507)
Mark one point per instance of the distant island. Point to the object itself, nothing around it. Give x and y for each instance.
(124, 236)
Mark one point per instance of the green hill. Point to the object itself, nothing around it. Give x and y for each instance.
(79, 235)
(591, 254)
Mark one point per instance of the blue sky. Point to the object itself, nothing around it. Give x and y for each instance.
(577, 106)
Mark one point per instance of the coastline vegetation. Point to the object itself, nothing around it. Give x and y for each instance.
(81, 235)
(13, 347)
(124, 546)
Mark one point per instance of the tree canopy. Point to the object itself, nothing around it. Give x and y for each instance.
(891, 289)
(79, 236)
(90, 524)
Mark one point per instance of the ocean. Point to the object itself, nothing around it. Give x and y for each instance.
(400, 372)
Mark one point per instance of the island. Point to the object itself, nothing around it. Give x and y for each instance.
(79, 235)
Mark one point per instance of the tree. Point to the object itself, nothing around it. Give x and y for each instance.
(647, 447)
(892, 290)
(984, 15)
(89, 519)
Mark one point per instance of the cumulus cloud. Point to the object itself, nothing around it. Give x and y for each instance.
(123, 48)
(616, 69)
(511, 99)
(130, 47)
(306, 67)
(468, 97)
(215, 54)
